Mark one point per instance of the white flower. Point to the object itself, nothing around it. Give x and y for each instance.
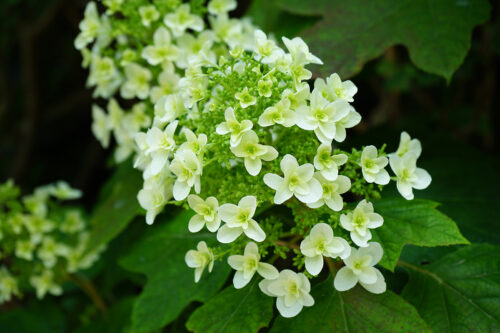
(226, 29)
(188, 169)
(104, 75)
(200, 259)
(161, 144)
(321, 242)
(182, 19)
(350, 120)
(195, 49)
(292, 292)
(206, 213)
(266, 48)
(152, 199)
(194, 143)
(297, 180)
(89, 26)
(343, 90)
(321, 116)
(61, 190)
(24, 249)
(253, 152)
(100, 126)
(408, 145)
(373, 166)
(45, 283)
(360, 221)
(280, 113)
(408, 175)
(297, 97)
(168, 83)
(218, 7)
(137, 83)
(162, 50)
(328, 164)
(8, 285)
(246, 98)
(168, 108)
(297, 46)
(332, 190)
(239, 220)
(248, 264)
(231, 125)
(149, 14)
(359, 268)
(49, 250)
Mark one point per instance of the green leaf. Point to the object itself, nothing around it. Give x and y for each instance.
(170, 283)
(355, 310)
(37, 316)
(460, 292)
(118, 206)
(416, 222)
(116, 320)
(436, 33)
(233, 310)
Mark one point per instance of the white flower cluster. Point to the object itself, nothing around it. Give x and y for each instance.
(41, 242)
(226, 99)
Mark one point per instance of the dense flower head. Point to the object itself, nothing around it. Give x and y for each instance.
(41, 242)
(231, 125)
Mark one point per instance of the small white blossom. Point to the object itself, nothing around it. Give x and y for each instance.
(206, 213)
(292, 291)
(360, 221)
(8, 285)
(182, 19)
(359, 268)
(188, 169)
(152, 199)
(44, 283)
(328, 164)
(160, 145)
(246, 98)
(343, 90)
(195, 49)
(297, 46)
(137, 83)
(49, 250)
(200, 259)
(280, 113)
(100, 126)
(89, 26)
(332, 190)
(409, 177)
(373, 166)
(61, 190)
(298, 96)
(169, 108)
(24, 249)
(297, 180)
(321, 242)
(194, 143)
(233, 126)
(408, 145)
(218, 7)
(239, 220)
(162, 50)
(149, 14)
(266, 48)
(248, 264)
(168, 84)
(253, 152)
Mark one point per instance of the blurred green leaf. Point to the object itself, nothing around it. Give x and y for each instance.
(416, 222)
(355, 310)
(460, 292)
(118, 206)
(116, 320)
(436, 33)
(170, 283)
(39, 317)
(233, 310)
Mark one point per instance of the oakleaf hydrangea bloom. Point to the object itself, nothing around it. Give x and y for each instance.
(360, 221)
(248, 264)
(359, 268)
(221, 114)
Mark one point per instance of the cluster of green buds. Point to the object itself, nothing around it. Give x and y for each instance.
(41, 240)
(244, 139)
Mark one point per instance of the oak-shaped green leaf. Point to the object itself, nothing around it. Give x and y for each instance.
(460, 292)
(416, 222)
(117, 207)
(233, 310)
(436, 33)
(170, 283)
(355, 310)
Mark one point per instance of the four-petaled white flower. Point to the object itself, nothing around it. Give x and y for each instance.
(182, 19)
(162, 50)
(321, 242)
(152, 199)
(359, 268)
(266, 48)
(194, 143)
(199, 259)
(89, 27)
(343, 90)
(246, 98)
(253, 152)
(297, 46)
(297, 180)
(233, 126)
(328, 164)
(239, 220)
(206, 213)
(220, 7)
(409, 177)
(137, 83)
(280, 113)
(360, 221)
(292, 291)
(408, 145)
(332, 190)
(248, 264)
(160, 145)
(148, 14)
(321, 116)
(373, 166)
(168, 108)
(100, 126)
(44, 283)
(188, 169)
(348, 121)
